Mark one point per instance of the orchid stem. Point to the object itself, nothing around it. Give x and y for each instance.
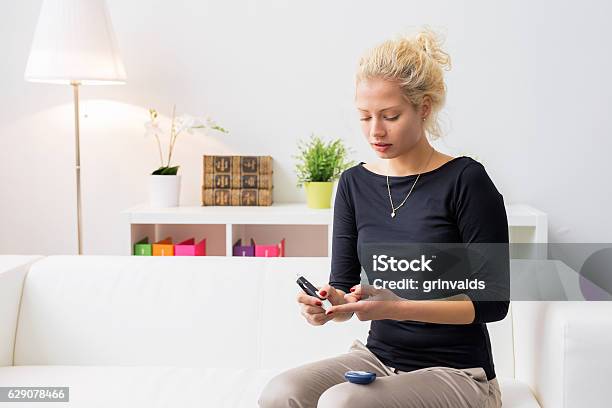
(161, 157)
(172, 129)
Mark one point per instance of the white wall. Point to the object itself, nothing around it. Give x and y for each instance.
(529, 96)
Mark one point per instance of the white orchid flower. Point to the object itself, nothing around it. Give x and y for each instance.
(199, 123)
(189, 123)
(182, 123)
(152, 129)
(179, 124)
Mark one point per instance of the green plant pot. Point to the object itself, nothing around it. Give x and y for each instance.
(318, 194)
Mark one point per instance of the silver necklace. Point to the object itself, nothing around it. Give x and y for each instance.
(394, 209)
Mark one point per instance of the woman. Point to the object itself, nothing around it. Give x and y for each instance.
(425, 353)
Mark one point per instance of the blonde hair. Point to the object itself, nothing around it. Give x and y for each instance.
(415, 62)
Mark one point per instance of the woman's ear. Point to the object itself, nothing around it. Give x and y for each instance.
(425, 110)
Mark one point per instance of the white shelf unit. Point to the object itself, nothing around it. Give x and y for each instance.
(527, 224)
(307, 231)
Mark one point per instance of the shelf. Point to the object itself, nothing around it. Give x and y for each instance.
(308, 231)
(519, 215)
(527, 224)
(522, 215)
(290, 213)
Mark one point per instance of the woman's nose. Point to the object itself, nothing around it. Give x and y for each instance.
(377, 129)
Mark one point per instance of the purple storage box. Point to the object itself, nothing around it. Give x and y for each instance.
(243, 250)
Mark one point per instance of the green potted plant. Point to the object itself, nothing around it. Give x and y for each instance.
(319, 164)
(164, 182)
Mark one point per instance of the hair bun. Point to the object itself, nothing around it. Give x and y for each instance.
(429, 42)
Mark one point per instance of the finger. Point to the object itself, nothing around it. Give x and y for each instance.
(363, 291)
(320, 319)
(305, 299)
(317, 319)
(351, 298)
(324, 290)
(335, 296)
(310, 320)
(345, 308)
(313, 309)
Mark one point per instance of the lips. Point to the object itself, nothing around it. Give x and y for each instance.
(381, 147)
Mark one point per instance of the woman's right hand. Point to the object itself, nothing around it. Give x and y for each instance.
(312, 310)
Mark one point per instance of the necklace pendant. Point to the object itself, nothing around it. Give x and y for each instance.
(393, 214)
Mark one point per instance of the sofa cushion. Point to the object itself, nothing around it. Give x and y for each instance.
(516, 394)
(123, 310)
(159, 386)
(142, 386)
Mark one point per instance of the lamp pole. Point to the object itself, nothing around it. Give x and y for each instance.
(77, 150)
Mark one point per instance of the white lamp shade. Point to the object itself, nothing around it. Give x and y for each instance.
(75, 41)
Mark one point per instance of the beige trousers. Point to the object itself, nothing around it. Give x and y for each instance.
(322, 384)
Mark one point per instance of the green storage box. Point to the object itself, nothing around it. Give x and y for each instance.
(142, 247)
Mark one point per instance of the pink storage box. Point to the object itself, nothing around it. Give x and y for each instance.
(267, 251)
(190, 248)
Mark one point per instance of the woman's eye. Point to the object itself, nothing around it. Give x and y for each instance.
(391, 118)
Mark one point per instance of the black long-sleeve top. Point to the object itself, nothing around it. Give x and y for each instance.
(455, 203)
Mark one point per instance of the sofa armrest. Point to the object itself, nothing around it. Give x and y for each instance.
(562, 351)
(13, 269)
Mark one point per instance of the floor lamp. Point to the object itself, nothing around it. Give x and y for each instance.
(75, 44)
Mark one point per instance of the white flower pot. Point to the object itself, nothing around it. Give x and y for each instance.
(164, 191)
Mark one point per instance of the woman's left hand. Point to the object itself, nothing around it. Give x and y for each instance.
(369, 303)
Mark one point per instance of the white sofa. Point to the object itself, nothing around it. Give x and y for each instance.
(210, 332)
